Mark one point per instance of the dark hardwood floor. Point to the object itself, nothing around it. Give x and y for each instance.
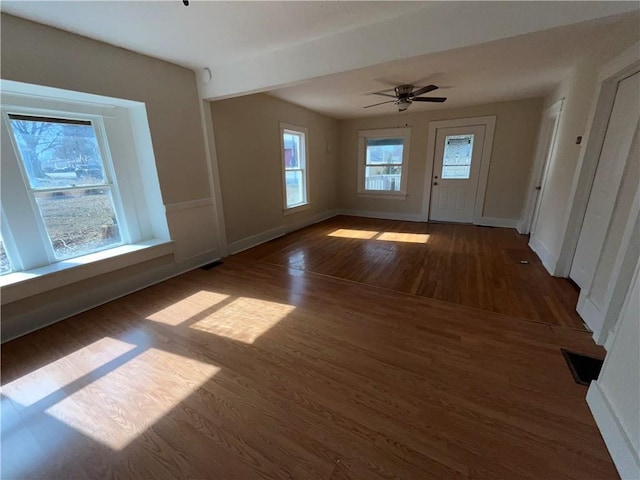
(465, 264)
(257, 370)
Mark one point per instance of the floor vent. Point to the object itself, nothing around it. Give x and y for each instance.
(211, 265)
(584, 369)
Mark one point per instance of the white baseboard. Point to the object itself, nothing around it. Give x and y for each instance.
(407, 217)
(624, 456)
(69, 305)
(548, 259)
(592, 316)
(263, 237)
(497, 222)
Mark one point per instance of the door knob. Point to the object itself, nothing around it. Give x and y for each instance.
(435, 183)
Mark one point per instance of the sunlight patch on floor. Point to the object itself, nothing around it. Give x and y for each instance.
(403, 237)
(244, 319)
(183, 310)
(118, 407)
(347, 233)
(421, 238)
(46, 380)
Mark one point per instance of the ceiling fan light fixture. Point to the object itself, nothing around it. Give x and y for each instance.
(403, 104)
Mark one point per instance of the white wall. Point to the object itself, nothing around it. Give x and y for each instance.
(614, 398)
(37, 54)
(247, 138)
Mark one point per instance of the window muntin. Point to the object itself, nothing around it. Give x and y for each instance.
(59, 158)
(383, 159)
(456, 161)
(294, 155)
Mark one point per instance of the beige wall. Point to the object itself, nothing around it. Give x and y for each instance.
(37, 54)
(513, 148)
(247, 137)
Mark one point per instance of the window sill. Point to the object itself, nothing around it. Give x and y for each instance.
(296, 209)
(383, 195)
(19, 285)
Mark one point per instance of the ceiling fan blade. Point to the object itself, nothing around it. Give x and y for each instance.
(382, 103)
(384, 94)
(430, 99)
(427, 89)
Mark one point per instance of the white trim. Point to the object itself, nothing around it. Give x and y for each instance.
(497, 222)
(408, 217)
(297, 209)
(211, 155)
(384, 196)
(489, 122)
(19, 285)
(609, 77)
(396, 132)
(549, 260)
(545, 151)
(268, 235)
(591, 315)
(304, 166)
(64, 307)
(625, 458)
(176, 207)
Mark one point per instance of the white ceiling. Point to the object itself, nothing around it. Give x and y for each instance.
(329, 55)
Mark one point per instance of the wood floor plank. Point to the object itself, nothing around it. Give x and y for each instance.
(264, 369)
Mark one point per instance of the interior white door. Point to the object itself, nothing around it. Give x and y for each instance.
(548, 130)
(456, 170)
(623, 123)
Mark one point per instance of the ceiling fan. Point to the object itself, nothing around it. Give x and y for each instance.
(406, 95)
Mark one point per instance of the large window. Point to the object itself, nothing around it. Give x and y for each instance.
(383, 158)
(295, 171)
(79, 183)
(66, 180)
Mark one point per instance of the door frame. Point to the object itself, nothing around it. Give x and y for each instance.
(545, 151)
(489, 123)
(610, 75)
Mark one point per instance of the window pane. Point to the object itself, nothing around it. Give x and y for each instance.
(383, 178)
(456, 162)
(292, 150)
(295, 187)
(5, 266)
(382, 151)
(79, 221)
(58, 153)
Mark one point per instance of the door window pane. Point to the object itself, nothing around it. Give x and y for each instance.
(456, 161)
(79, 221)
(58, 153)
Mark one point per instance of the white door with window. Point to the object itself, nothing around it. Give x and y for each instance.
(456, 171)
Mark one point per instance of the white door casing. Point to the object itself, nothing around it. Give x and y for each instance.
(489, 123)
(622, 125)
(544, 152)
(453, 199)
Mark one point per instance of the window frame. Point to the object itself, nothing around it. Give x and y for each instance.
(123, 138)
(363, 137)
(109, 183)
(304, 167)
